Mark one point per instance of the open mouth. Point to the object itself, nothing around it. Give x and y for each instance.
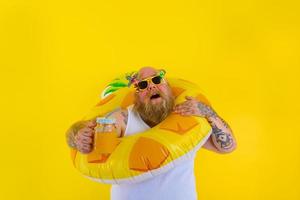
(155, 96)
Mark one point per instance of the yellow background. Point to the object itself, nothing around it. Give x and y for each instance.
(57, 55)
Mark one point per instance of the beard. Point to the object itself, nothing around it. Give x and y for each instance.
(155, 113)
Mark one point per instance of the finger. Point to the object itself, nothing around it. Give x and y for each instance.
(86, 149)
(174, 110)
(91, 124)
(89, 133)
(180, 106)
(184, 107)
(190, 98)
(180, 109)
(187, 114)
(177, 109)
(86, 146)
(87, 140)
(192, 110)
(85, 130)
(82, 138)
(84, 135)
(81, 146)
(188, 102)
(183, 110)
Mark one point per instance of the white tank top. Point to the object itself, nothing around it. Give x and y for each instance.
(176, 184)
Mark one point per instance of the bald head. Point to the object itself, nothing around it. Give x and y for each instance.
(146, 72)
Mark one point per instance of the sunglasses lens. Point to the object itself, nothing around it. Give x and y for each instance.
(156, 80)
(143, 84)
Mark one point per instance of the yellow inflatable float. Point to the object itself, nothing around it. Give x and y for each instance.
(141, 156)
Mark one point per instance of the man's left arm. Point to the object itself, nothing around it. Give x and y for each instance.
(221, 139)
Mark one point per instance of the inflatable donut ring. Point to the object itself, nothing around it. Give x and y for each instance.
(147, 154)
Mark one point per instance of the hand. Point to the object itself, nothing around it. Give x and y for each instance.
(194, 107)
(85, 136)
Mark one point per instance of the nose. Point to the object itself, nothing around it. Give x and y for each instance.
(151, 86)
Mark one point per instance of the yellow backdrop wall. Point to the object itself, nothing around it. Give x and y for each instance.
(56, 56)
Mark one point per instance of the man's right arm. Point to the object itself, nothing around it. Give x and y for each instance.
(80, 135)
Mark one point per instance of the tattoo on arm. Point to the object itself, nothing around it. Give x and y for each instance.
(71, 139)
(112, 112)
(71, 133)
(70, 136)
(221, 133)
(125, 117)
(206, 110)
(224, 123)
(224, 140)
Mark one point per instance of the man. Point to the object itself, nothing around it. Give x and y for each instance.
(154, 101)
